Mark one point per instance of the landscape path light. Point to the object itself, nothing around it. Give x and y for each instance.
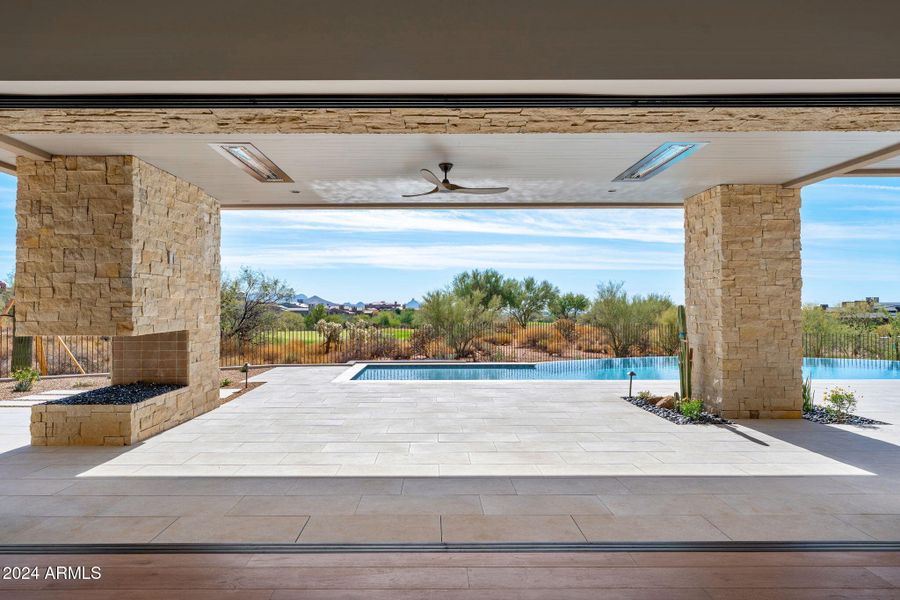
(631, 375)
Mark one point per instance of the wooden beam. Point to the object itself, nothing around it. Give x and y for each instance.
(873, 173)
(22, 149)
(7, 168)
(845, 167)
(449, 205)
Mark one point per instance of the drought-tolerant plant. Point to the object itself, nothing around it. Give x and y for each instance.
(247, 303)
(626, 319)
(330, 332)
(458, 320)
(685, 355)
(25, 379)
(839, 402)
(569, 305)
(808, 395)
(225, 383)
(643, 395)
(566, 328)
(691, 408)
(527, 300)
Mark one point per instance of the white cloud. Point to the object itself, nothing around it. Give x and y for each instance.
(661, 226)
(443, 256)
(846, 232)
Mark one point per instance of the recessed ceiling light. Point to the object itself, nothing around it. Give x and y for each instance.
(250, 159)
(659, 160)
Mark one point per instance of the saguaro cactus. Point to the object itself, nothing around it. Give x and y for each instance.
(21, 348)
(685, 356)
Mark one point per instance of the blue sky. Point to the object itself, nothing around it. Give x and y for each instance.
(850, 235)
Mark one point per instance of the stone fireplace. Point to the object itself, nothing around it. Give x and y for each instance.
(152, 358)
(114, 246)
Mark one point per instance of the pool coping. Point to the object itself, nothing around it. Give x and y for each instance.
(357, 367)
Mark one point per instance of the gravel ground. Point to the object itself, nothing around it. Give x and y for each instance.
(820, 415)
(130, 393)
(46, 385)
(89, 383)
(676, 417)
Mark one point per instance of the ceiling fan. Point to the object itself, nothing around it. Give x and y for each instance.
(445, 187)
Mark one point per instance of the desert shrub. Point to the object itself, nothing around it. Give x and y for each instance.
(839, 402)
(420, 339)
(25, 379)
(458, 320)
(566, 328)
(292, 358)
(590, 339)
(498, 338)
(330, 332)
(644, 395)
(808, 399)
(557, 347)
(625, 319)
(366, 341)
(535, 337)
(438, 348)
(691, 408)
(225, 383)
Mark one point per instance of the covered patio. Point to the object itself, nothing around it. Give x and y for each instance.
(306, 460)
(130, 129)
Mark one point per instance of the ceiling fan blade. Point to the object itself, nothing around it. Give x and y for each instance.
(430, 177)
(465, 190)
(434, 191)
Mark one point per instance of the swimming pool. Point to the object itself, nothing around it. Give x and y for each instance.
(606, 369)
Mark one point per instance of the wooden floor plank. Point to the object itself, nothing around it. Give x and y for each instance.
(469, 576)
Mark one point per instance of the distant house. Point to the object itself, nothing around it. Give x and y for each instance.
(872, 308)
(413, 304)
(384, 305)
(300, 308)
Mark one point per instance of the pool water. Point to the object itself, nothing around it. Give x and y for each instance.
(607, 369)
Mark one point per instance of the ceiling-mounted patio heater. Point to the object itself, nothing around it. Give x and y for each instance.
(255, 163)
(659, 160)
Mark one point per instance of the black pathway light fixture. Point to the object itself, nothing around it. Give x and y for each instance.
(631, 375)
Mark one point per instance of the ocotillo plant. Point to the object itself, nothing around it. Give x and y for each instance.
(685, 356)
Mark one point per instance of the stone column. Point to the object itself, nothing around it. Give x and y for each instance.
(742, 299)
(113, 246)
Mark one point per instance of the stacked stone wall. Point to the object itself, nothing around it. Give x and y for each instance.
(742, 295)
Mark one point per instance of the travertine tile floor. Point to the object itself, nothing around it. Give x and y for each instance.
(306, 459)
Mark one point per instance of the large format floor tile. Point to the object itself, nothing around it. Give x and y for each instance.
(306, 456)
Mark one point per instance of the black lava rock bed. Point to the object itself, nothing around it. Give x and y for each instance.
(675, 416)
(129, 393)
(820, 415)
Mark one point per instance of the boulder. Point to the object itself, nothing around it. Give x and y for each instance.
(666, 402)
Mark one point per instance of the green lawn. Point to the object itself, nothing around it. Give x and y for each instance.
(313, 337)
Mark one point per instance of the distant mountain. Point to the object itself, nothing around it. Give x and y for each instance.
(313, 300)
(413, 304)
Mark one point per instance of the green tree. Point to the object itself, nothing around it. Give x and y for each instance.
(490, 284)
(626, 320)
(247, 303)
(527, 300)
(458, 319)
(569, 305)
(316, 313)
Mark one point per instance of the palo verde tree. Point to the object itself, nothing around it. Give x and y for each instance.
(569, 305)
(247, 302)
(625, 319)
(526, 300)
(489, 284)
(459, 320)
